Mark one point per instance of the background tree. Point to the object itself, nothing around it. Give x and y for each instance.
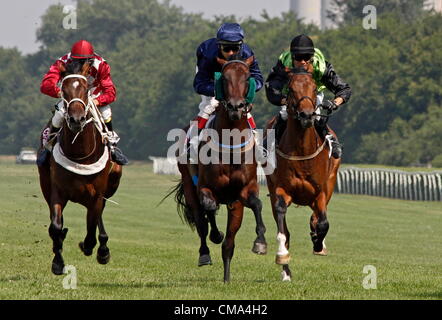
(395, 72)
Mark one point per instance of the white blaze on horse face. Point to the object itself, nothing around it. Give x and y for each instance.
(75, 84)
(282, 250)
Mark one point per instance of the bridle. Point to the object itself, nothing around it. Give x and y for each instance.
(294, 104)
(87, 107)
(247, 106)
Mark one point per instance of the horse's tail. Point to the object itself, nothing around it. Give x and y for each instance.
(184, 210)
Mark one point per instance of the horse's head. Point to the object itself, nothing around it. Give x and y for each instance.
(301, 100)
(74, 88)
(235, 86)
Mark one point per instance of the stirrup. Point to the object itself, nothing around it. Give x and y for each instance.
(118, 156)
(335, 147)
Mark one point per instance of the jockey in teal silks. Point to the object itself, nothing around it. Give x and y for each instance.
(229, 42)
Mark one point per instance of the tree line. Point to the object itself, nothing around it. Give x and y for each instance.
(395, 72)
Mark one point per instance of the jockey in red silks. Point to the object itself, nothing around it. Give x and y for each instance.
(101, 88)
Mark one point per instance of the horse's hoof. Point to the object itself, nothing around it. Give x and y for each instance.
(87, 252)
(57, 268)
(285, 276)
(204, 260)
(103, 258)
(216, 238)
(284, 259)
(323, 252)
(259, 248)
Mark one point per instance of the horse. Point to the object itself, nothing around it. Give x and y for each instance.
(305, 173)
(234, 185)
(79, 169)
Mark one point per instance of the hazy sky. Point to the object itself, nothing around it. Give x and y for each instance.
(19, 19)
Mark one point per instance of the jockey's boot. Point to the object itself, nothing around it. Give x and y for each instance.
(324, 132)
(47, 143)
(280, 125)
(116, 154)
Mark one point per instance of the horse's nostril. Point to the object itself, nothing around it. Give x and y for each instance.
(71, 119)
(82, 119)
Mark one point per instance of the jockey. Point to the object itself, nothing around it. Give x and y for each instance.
(302, 52)
(101, 88)
(229, 42)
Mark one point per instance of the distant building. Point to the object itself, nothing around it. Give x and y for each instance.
(313, 11)
(435, 5)
(316, 11)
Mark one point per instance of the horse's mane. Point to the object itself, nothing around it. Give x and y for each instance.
(75, 66)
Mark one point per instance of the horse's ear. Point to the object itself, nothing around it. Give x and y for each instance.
(85, 68)
(221, 61)
(250, 60)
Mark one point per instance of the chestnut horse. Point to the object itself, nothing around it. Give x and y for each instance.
(305, 173)
(234, 184)
(80, 169)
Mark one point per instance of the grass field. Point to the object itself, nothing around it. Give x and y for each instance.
(154, 255)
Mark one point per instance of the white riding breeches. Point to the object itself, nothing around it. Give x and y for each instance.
(57, 119)
(319, 99)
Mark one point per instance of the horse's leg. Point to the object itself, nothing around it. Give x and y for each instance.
(280, 202)
(93, 215)
(254, 203)
(234, 219)
(56, 231)
(208, 204)
(331, 182)
(319, 224)
(103, 253)
(215, 235)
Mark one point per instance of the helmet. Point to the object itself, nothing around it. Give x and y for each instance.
(302, 44)
(230, 33)
(82, 50)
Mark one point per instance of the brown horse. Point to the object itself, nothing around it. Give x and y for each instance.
(79, 170)
(305, 173)
(223, 182)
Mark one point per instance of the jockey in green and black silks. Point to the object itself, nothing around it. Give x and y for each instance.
(302, 52)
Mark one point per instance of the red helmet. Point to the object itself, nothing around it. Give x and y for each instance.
(82, 50)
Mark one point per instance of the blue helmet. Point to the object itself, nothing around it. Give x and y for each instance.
(230, 32)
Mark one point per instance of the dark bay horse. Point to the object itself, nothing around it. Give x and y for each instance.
(230, 182)
(305, 174)
(79, 170)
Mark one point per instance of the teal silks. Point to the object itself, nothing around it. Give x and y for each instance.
(219, 91)
(252, 89)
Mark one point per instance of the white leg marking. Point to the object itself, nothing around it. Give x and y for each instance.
(282, 250)
(285, 276)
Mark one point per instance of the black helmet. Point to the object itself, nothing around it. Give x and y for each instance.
(301, 45)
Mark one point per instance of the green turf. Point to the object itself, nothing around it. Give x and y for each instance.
(154, 255)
